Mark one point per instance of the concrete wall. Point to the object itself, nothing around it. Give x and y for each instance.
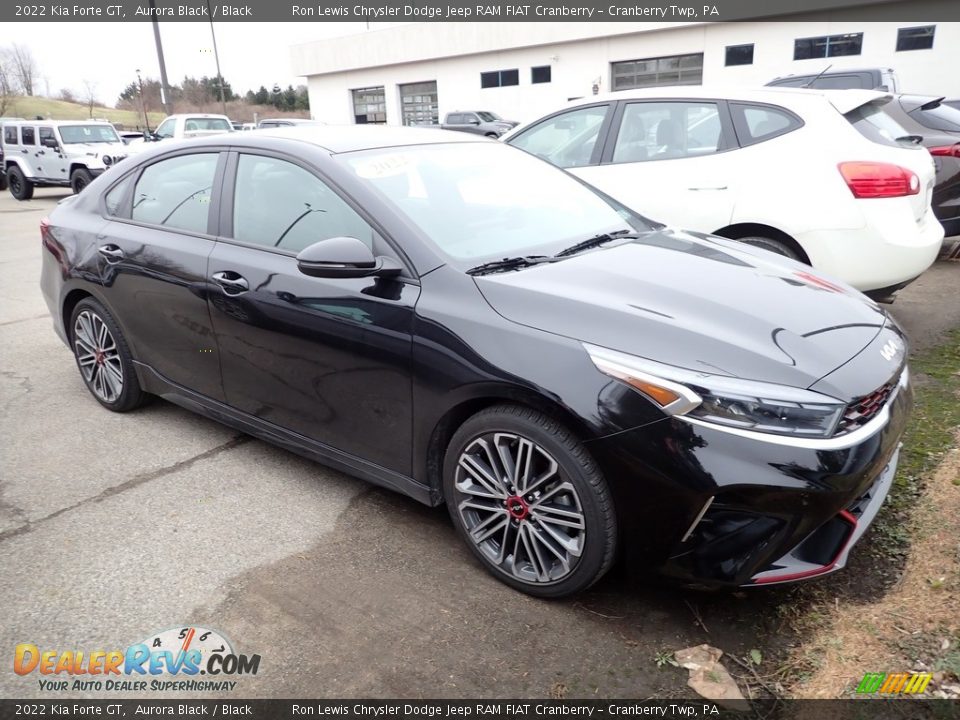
(580, 55)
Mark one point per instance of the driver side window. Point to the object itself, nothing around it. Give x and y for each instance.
(566, 140)
(279, 204)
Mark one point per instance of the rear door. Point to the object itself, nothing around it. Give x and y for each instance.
(153, 257)
(669, 160)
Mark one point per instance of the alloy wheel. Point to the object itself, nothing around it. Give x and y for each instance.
(98, 356)
(519, 509)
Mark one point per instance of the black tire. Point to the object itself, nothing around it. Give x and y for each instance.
(3, 180)
(20, 187)
(79, 179)
(119, 363)
(590, 502)
(775, 246)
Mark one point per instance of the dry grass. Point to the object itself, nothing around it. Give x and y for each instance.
(916, 626)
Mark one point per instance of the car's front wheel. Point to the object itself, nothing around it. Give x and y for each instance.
(103, 357)
(530, 501)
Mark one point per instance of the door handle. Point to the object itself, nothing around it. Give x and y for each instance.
(111, 252)
(232, 283)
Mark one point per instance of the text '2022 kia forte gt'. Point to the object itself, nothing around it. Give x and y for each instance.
(462, 322)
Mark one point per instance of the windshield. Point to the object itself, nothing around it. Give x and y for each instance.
(488, 116)
(88, 134)
(486, 201)
(193, 124)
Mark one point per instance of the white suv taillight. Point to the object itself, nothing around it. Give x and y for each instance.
(879, 180)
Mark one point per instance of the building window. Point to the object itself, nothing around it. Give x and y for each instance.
(499, 78)
(739, 54)
(827, 46)
(651, 72)
(369, 106)
(540, 74)
(418, 103)
(915, 38)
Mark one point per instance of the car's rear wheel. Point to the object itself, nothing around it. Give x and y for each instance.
(776, 246)
(103, 357)
(3, 179)
(530, 501)
(79, 179)
(20, 187)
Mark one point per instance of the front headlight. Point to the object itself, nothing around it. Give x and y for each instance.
(723, 400)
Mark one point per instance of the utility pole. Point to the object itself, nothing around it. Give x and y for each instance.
(165, 98)
(216, 56)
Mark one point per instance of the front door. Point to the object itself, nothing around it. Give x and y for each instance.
(329, 359)
(53, 161)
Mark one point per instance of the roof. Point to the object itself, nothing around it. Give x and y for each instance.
(348, 138)
(843, 100)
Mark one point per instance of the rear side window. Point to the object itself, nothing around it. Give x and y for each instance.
(10, 135)
(28, 136)
(756, 123)
(941, 117)
(668, 130)
(113, 199)
(876, 126)
(566, 140)
(176, 192)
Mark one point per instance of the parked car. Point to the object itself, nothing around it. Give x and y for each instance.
(3, 175)
(130, 136)
(44, 153)
(237, 126)
(816, 175)
(481, 122)
(458, 321)
(938, 128)
(191, 125)
(287, 122)
(875, 78)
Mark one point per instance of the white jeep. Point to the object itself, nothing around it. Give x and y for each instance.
(43, 153)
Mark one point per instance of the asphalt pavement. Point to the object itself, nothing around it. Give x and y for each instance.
(115, 527)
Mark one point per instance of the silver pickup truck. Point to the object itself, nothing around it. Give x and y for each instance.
(481, 122)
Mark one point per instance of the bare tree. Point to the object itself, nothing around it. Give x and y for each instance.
(25, 67)
(90, 95)
(67, 95)
(8, 82)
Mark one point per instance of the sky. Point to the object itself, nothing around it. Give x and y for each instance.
(109, 54)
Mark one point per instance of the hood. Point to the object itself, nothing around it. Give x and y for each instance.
(697, 302)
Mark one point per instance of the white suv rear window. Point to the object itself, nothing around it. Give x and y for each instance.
(875, 125)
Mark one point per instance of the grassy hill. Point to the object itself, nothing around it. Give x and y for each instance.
(30, 107)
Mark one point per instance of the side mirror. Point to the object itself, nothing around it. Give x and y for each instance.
(473, 121)
(344, 257)
(49, 142)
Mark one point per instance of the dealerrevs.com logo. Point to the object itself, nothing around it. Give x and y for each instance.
(184, 658)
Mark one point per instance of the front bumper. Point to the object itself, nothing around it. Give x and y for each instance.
(714, 508)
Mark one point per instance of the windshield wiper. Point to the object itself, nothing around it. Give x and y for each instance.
(509, 263)
(596, 241)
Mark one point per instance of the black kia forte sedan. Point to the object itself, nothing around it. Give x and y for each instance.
(462, 322)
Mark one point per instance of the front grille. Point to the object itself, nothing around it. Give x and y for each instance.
(863, 409)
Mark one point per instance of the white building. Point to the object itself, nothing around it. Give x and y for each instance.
(416, 73)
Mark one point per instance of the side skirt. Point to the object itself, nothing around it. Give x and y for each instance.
(153, 382)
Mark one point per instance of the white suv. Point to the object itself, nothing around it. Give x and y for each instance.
(40, 153)
(191, 125)
(820, 176)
